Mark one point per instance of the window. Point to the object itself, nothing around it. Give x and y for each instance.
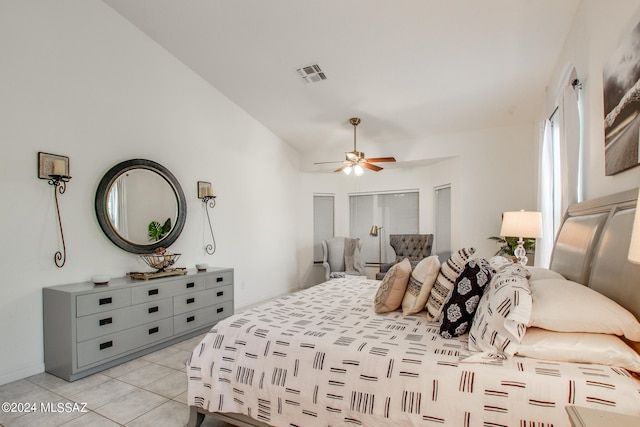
(117, 206)
(395, 212)
(560, 167)
(322, 222)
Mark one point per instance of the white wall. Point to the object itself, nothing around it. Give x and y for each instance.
(596, 32)
(490, 171)
(78, 80)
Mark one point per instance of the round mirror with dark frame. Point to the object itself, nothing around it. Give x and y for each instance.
(140, 206)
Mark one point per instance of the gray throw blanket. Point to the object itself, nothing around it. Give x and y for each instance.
(352, 260)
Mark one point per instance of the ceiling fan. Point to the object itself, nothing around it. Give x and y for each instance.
(355, 161)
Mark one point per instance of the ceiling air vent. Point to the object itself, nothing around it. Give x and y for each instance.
(311, 73)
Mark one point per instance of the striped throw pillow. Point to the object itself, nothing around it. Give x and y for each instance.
(449, 272)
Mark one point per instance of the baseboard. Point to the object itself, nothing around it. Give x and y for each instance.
(9, 377)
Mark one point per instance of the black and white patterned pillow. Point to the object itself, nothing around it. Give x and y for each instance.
(449, 272)
(503, 313)
(460, 306)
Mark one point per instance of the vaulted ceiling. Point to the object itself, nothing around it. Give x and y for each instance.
(409, 68)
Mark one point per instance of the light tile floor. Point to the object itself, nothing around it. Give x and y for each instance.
(148, 391)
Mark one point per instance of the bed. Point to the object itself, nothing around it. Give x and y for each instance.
(323, 357)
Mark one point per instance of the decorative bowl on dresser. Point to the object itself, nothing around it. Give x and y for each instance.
(89, 328)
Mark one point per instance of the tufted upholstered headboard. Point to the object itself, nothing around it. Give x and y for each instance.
(592, 246)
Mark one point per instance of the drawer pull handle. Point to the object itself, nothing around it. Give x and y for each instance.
(191, 300)
(219, 279)
(153, 330)
(191, 319)
(106, 345)
(220, 310)
(190, 285)
(106, 321)
(104, 301)
(153, 309)
(153, 291)
(220, 293)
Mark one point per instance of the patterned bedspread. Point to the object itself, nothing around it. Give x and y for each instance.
(322, 357)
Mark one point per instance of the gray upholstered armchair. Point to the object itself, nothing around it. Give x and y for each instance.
(415, 247)
(342, 255)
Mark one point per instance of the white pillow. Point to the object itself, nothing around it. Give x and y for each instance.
(420, 283)
(503, 313)
(565, 306)
(578, 347)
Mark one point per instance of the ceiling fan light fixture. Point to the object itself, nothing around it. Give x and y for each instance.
(355, 161)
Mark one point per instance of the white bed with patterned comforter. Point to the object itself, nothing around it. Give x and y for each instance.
(323, 357)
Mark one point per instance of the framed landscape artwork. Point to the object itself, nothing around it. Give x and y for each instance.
(621, 85)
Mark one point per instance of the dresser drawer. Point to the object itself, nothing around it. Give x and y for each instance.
(202, 317)
(102, 301)
(97, 325)
(155, 291)
(197, 300)
(99, 349)
(220, 279)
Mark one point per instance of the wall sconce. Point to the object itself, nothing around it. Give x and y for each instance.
(55, 169)
(205, 193)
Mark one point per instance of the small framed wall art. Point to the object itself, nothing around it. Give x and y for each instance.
(621, 83)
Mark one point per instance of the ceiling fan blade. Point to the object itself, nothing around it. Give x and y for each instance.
(324, 163)
(372, 167)
(381, 159)
(341, 168)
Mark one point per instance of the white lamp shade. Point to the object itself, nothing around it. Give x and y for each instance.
(521, 224)
(634, 247)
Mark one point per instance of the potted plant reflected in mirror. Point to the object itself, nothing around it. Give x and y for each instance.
(157, 232)
(509, 244)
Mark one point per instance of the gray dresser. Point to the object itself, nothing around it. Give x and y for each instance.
(88, 328)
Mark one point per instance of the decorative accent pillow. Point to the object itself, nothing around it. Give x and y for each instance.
(564, 306)
(503, 313)
(579, 347)
(420, 284)
(449, 273)
(498, 261)
(463, 300)
(392, 288)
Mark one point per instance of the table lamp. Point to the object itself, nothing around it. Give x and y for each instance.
(521, 224)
